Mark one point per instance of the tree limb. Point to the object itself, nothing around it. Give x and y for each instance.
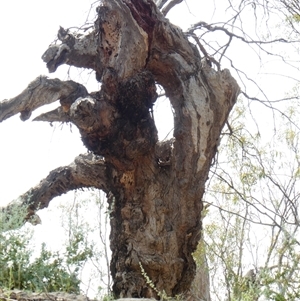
(161, 3)
(211, 28)
(87, 170)
(39, 92)
(170, 6)
(76, 50)
(57, 114)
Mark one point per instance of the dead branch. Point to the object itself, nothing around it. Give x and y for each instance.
(76, 49)
(211, 28)
(170, 6)
(87, 170)
(39, 92)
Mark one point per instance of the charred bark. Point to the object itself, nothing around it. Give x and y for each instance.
(154, 189)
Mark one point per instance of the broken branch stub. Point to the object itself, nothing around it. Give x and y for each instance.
(39, 92)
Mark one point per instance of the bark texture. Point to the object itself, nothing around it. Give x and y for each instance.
(154, 188)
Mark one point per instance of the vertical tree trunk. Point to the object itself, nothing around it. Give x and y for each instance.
(156, 203)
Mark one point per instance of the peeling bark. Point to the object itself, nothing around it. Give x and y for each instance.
(154, 189)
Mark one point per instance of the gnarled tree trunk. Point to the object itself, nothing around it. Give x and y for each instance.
(154, 188)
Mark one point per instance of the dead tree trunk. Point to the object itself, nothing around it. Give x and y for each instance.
(154, 188)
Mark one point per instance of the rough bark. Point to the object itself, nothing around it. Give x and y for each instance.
(154, 188)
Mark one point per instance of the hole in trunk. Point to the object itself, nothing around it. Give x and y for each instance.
(163, 116)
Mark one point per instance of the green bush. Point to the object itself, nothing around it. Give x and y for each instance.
(19, 270)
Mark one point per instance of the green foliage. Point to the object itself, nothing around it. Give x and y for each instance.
(14, 260)
(27, 268)
(20, 270)
(49, 269)
(78, 250)
(82, 258)
(12, 219)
